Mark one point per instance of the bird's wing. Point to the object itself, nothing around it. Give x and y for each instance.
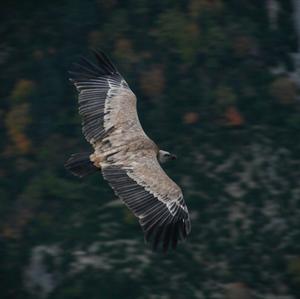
(108, 109)
(152, 196)
(105, 100)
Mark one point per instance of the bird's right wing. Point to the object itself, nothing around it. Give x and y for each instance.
(157, 201)
(105, 100)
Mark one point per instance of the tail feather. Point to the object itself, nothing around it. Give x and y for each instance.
(80, 165)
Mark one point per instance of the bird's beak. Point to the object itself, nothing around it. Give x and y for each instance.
(173, 157)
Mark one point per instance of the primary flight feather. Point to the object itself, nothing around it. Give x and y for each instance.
(128, 159)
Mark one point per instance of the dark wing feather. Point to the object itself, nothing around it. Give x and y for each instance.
(160, 226)
(93, 82)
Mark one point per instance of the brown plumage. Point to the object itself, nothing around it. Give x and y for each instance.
(127, 157)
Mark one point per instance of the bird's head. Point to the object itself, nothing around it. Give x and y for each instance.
(164, 156)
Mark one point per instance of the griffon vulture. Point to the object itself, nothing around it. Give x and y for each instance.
(127, 158)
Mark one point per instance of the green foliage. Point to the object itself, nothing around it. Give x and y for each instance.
(201, 70)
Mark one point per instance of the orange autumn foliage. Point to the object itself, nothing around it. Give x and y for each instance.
(16, 121)
(190, 118)
(125, 51)
(152, 81)
(22, 89)
(233, 117)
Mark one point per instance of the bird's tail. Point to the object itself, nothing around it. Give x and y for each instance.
(80, 164)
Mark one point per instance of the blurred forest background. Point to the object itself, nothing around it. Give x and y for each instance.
(218, 84)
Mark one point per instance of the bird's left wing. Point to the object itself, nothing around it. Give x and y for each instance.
(157, 201)
(106, 102)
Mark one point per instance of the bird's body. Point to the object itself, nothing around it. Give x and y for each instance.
(126, 156)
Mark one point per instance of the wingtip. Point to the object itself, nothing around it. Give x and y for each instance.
(87, 69)
(104, 60)
(97, 51)
(165, 238)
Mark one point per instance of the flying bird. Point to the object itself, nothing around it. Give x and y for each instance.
(127, 158)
